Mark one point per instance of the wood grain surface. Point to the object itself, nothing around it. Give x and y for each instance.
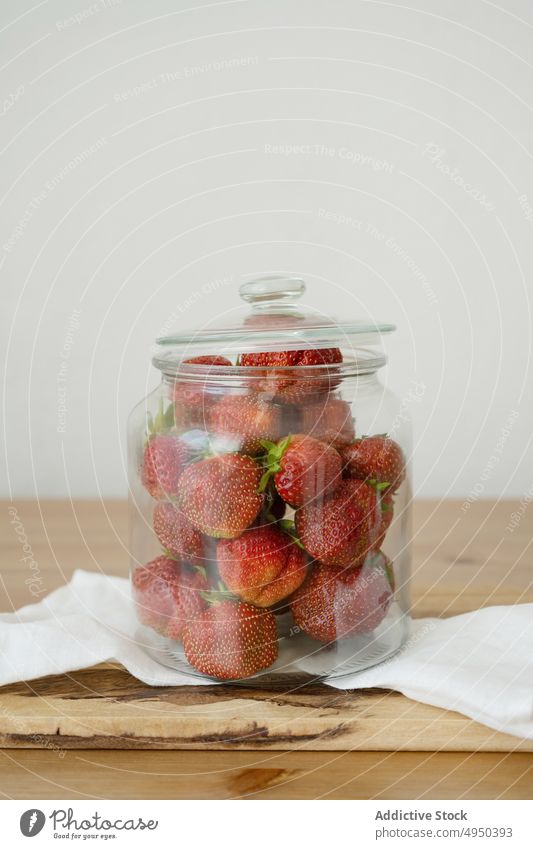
(464, 558)
(105, 707)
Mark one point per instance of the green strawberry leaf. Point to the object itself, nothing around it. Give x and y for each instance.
(159, 421)
(163, 420)
(171, 555)
(379, 486)
(272, 460)
(263, 483)
(284, 444)
(215, 596)
(169, 416)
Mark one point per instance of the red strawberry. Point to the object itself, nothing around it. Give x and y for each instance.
(375, 503)
(330, 420)
(336, 603)
(220, 496)
(262, 566)
(307, 357)
(164, 459)
(177, 534)
(231, 640)
(208, 360)
(168, 595)
(194, 398)
(387, 515)
(287, 384)
(378, 458)
(342, 529)
(246, 420)
(303, 469)
(193, 405)
(320, 356)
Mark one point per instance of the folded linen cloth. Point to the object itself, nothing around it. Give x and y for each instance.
(480, 663)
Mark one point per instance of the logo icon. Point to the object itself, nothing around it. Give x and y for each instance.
(32, 822)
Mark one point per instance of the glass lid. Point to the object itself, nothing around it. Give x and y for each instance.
(274, 321)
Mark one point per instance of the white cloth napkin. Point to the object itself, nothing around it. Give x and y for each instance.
(480, 663)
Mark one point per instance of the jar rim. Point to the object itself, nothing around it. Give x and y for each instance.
(321, 335)
(365, 361)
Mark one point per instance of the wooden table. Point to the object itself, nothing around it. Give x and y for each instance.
(463, 559)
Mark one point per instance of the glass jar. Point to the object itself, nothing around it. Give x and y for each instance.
(270, 497)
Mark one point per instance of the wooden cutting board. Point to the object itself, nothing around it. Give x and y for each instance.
(105, 708)
(463, 559)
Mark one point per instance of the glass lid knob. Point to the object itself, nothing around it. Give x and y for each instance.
(269, 289)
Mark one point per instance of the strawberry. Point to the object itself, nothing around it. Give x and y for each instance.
(177, 535)
(334, 603)
(262, 566)
(342, 529)
(376, 501)
(307, 357)
(231, 640)
(281, 378)
(320, 356)
(194, 398)
(168, 595)
(193, 404)
(304, 468)
(377, 458)
(208, 360)
(246, 420)
(164, 459)
(220, 496)
(330, 420)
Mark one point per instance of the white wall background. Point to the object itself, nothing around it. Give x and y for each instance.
(139, 162)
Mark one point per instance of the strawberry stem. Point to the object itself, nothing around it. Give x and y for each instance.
(215, 596)
(272, 459)
(171, 555)
(263, 483)
(377, 485)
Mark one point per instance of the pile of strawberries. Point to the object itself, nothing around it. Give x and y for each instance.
(266, 503)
